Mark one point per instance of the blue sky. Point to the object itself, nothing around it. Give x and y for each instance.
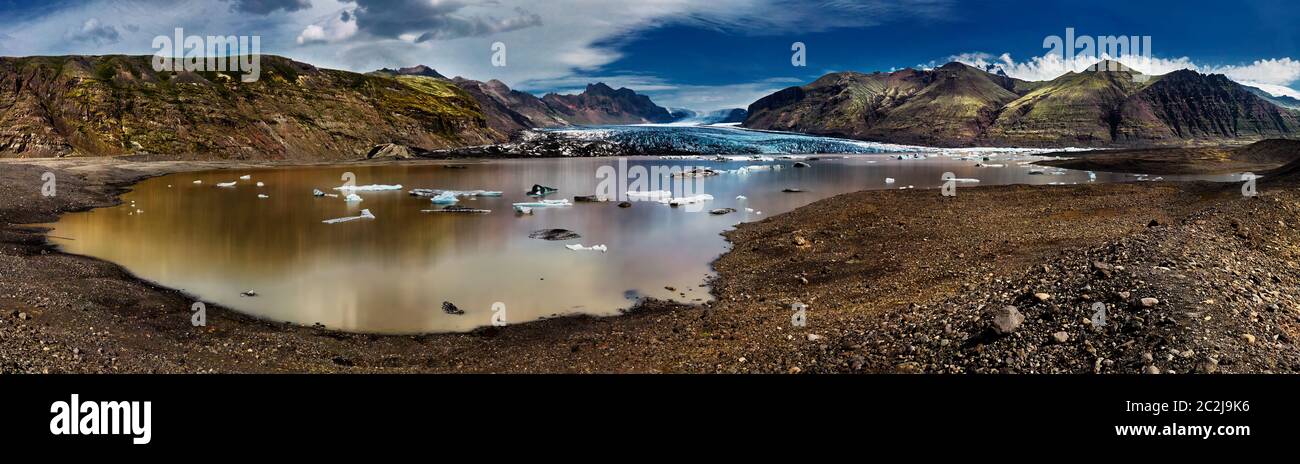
(696, 54)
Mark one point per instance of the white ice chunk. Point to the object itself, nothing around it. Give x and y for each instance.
(703, 197)
(226, 185)
(889, 180)
(198, 182)
(444, 198)
(259, 184)
(352, 198)
(579, 247)
(365, 214)
(263, 195)
(367, 188)
(523, 209)
(741, 197)
(245, 177)
(317, 193)
(653, 195)
(544, 203)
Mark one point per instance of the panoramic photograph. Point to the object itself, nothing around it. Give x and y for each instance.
(931, 187)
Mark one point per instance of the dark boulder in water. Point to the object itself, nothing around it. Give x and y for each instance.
(554, 234)
(721, 211)
(539, 190)
(449, 308)
(586, 199)
(801, 164)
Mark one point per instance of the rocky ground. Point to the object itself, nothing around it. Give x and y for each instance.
(1195, 278)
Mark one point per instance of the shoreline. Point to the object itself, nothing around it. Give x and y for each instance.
(106, 320)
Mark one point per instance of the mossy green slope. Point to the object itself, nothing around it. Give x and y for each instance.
(115, 105)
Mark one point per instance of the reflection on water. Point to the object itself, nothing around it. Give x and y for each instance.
(392, 274)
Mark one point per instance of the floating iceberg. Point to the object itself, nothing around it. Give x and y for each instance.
(352, 198)
(444, 198)
(226, 185)
(367, 188)
(889, 180)
(317, 193)
(198, 182)
(654, 195)
(703, 197)
(365, 214)
(543, 204)
(245, 177)
(523, 209)
(966, 180)
(259, 184)
(741, 197)
(539, 190)
(579, 247)
(459, 193)
(263, 195)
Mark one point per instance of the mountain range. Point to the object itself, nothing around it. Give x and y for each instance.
(116, 104)
(959, 105)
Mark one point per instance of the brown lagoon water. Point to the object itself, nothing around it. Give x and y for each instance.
(392, 274)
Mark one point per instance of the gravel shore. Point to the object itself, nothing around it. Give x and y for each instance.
(1195, 278)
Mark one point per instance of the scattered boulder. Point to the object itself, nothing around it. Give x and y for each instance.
(1007, 320)
(449, 308)
(792, 190)
(624, 204)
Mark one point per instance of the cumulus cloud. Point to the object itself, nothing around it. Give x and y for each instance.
(427, 20)
(1274, 75)
(263, 7)
(92, 31)
(335, 28)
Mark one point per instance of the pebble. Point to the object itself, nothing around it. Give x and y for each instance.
(1042, 296)
(1061, 337)
(1151, 370)
(1250, 339)
(814, 337)
(1149, 302)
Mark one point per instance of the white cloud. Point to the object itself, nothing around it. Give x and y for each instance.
(1272, 75)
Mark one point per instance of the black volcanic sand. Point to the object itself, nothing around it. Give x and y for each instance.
(893, 280)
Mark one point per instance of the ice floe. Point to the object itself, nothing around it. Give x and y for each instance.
(245, 177)
(352, 198)
(365, 214)
(226, 185)
(579, 247)
(367, 188)
(543, 204)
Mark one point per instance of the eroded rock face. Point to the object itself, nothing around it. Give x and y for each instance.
(114, 105)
